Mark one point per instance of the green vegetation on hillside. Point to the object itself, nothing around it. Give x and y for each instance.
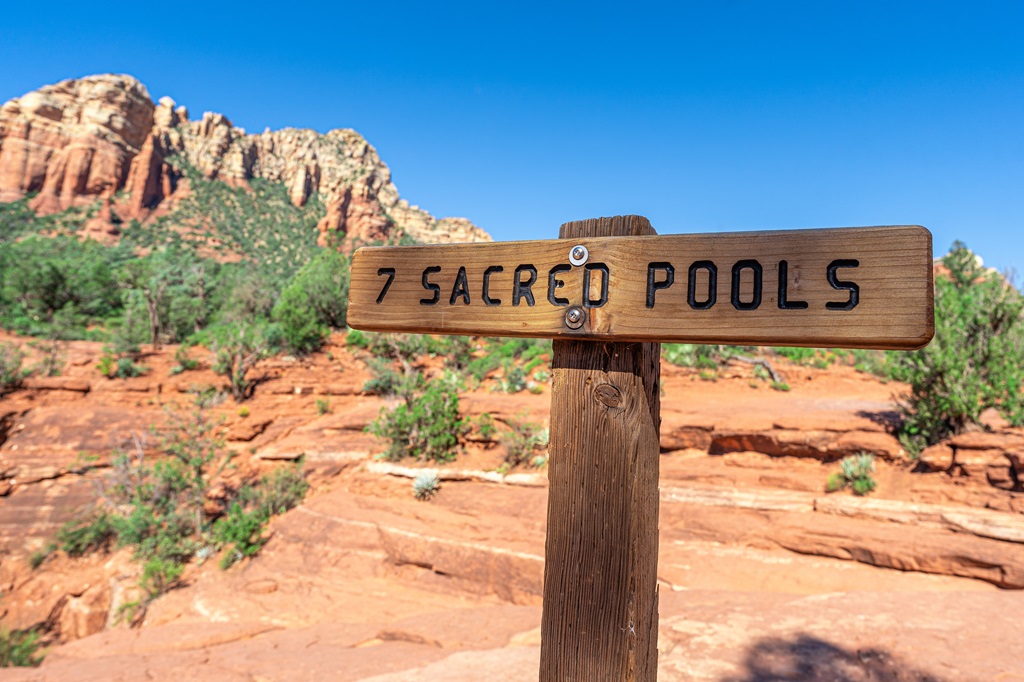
(227, 266)
(237, 270)
(163, 511)
(975, 361)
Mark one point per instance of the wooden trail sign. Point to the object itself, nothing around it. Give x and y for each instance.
(865, 287)
(607, 292)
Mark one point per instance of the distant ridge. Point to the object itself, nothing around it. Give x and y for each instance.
(102, 140)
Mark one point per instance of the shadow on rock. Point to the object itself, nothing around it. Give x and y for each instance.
(809, 659)
(890, 419)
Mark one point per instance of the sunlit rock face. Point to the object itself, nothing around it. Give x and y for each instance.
(103, 139)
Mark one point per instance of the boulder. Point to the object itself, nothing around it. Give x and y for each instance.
(938, 457)
(85, 614)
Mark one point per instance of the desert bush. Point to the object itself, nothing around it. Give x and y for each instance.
(425, 486)
(869, 361)
(424, 426)
(693, 355)
(184, 362)
(11, 373)
(83, 536)
(855, 472)
(240, 532)
(20, 648)
(484, 424)
(513, 378)
(160, 510)
(39, 557)
(521, 441)
(975, 361)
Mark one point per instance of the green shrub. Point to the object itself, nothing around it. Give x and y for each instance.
(20, 648)
(128, 368)
(241, 532)
(185, 363)
(457, 352)
(302, 330)
(521, 441)
(513, 379)
(700, 356)
(425, 426)
(38, 557)
(479, 368)
(855, 472)
(159, 576)
(801, 356)
(425, 486)
(87, 535)
(780, 386)
(282, 490)
(485, 425)
(11, 373)
(385, 380)
(323, 406)
(357, 339)
(874, 362)
(975, 361)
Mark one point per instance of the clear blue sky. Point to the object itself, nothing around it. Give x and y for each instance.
(719, 115)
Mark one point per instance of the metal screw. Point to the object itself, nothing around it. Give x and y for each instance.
(578, 255)
(574, 317)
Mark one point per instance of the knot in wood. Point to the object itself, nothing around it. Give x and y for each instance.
(608, 395)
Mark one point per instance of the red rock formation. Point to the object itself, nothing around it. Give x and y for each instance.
(84, 140)
(72, 142)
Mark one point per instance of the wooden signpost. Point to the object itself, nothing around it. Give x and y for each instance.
(608, 291)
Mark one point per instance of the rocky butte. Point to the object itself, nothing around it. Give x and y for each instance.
(101, 140)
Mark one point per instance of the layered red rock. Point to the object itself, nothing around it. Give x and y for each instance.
(72, 142)
(85, 140)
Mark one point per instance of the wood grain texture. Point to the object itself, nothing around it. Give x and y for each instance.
(600, 617)
(893, 275)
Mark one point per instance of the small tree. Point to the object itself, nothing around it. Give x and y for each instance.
(302, 331)
(236, 353)
(975, 361)
(196, 444)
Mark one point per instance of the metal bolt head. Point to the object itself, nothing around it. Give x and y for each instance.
(578, 255)
(574, 317)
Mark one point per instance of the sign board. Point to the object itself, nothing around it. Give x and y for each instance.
(865, 287)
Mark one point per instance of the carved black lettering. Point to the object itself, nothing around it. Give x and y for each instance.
(487, 284)
(390, 272)
(430, 286)
(554, 283)
(587, 269)
(784, 302)
(460, 289)
(653, 285)
(840, 285)
(740, 266)
(691, 284)
(521, 288)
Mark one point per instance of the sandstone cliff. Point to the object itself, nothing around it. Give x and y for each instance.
(86, 140)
